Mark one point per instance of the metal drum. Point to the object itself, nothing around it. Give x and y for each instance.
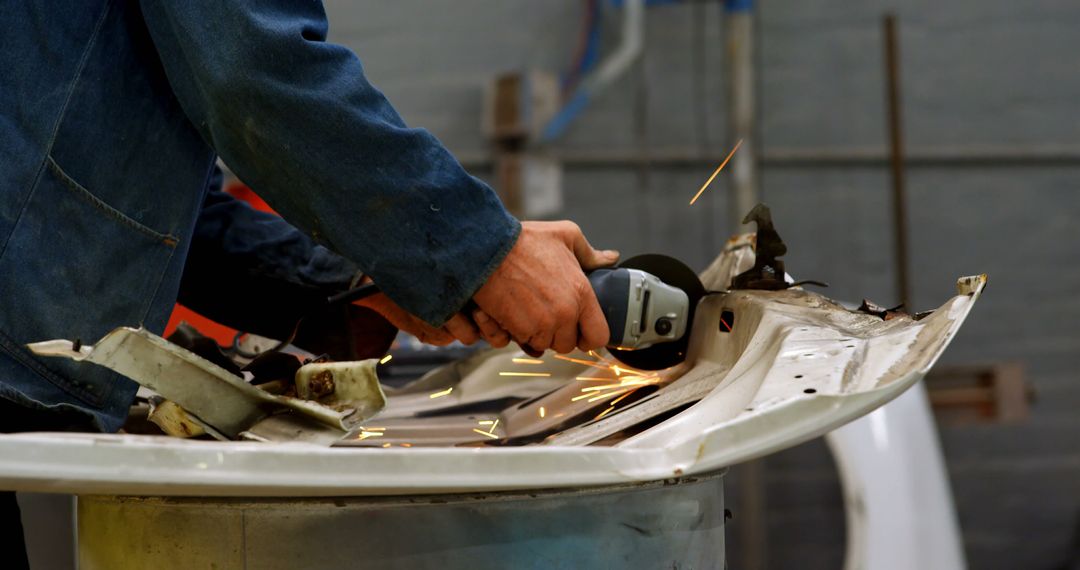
(676, 523)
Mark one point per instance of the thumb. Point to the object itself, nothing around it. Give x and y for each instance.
(588, 257)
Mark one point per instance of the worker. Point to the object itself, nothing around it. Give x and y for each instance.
(113, 114)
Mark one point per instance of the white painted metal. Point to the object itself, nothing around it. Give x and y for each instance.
(899, 506)
(224, 400)
(755, 405)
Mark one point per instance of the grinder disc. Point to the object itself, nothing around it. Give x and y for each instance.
(675, 273)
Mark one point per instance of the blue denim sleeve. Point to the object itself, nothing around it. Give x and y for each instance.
(254, 271)
(295, 118)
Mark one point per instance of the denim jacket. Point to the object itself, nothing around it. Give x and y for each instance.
(112, 114)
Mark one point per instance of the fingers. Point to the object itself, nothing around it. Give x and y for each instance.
(531, 351)
(565, 339)
(542, 339)
(592, 324)
(494, 334)
(567, 316)
(538, 296)
(462, 329)
(430, 335)
(588, 257)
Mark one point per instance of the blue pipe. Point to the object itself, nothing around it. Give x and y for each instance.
(566, 115)
(738, 5)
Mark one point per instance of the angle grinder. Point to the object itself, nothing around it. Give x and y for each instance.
(649, 303)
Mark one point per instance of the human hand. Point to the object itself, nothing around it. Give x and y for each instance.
(460, 327)
(539, 294)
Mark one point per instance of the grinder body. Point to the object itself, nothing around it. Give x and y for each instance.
(641, 310)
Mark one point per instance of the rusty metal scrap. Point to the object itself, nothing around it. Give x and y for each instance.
(871, 308)
(768, 271)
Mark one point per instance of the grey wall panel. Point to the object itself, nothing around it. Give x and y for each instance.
(976, 74)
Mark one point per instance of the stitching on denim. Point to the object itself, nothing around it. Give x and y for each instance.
(16, 352)
(172, 252)
(59, 119)
(167, 239)
(78, 75)
(22, 210)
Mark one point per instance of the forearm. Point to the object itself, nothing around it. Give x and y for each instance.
(296, 119)
(255, 272)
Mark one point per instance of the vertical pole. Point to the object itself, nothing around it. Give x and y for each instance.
(739, 29)
(739, 17)
(896, 159)
(644, 160)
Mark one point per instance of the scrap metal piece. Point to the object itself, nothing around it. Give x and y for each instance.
(293, 428)
(174, 420)
(871, 308)
(217, 397)
(342, 385)
(768, 271)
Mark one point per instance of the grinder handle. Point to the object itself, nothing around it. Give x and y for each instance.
(612, 288)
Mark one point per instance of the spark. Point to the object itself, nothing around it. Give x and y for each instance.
(365, 434)
(442, 393)
(527, 361)
(604, 413)
(362, 428)
(596, 397)
(620, 385)
(489, 434)
(386, 359)
(609, 394)
(490, 431)
(543, 412)
(592, 363)
(386, 445)
(625, 382)
(406, 445)
(599, 357)
(543, 374)
(611, 404)
(718, 169)
(620, 398)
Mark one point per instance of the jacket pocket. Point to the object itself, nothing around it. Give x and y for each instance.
(75, 267)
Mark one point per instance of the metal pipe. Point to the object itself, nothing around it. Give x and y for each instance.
(739, 22)
(739, 28)
(896, 159)
(610, 69)
(861, 157)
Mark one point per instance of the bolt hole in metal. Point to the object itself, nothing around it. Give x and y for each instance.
(798, 376)
(727, 321)
(809, 391)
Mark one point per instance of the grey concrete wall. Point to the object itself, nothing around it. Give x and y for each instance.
(977, 74)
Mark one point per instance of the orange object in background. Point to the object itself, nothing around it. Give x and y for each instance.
(222, 334)
(217, 331)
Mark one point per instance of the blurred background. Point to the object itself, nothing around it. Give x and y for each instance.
(988, 110)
